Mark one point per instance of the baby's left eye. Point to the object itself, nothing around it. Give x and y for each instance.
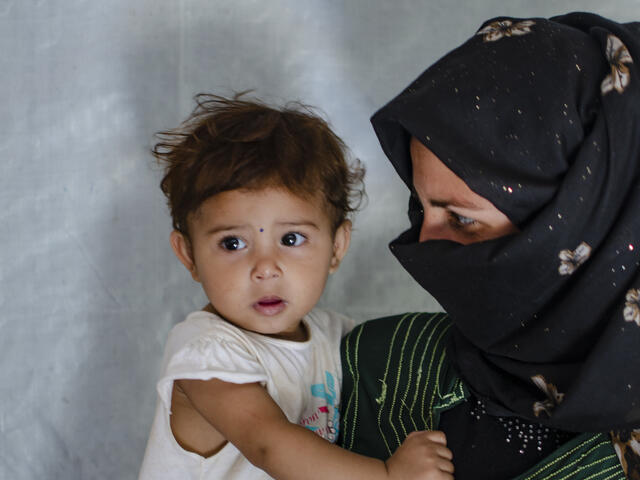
(293, 239)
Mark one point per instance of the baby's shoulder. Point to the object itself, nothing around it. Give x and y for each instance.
(203, 330)
(328, 320)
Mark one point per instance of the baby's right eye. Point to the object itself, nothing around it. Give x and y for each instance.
(232, 243)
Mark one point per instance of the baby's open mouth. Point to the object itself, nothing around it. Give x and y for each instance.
(271, 305)
(270, 301)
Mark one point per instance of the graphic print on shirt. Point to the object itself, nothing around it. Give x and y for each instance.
(329, 410)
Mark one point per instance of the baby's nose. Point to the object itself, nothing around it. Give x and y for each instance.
(266, 268)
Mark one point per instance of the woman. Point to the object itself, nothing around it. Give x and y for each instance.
(522, 152)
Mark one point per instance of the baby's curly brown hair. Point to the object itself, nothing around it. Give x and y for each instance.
(237, 143)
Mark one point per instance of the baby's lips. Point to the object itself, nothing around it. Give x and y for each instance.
(270, 300)
(271, 305)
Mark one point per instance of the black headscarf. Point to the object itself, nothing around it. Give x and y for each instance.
(542, 118)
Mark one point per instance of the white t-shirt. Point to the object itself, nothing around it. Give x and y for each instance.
(303, 378)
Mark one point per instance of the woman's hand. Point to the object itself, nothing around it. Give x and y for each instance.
(422, 455)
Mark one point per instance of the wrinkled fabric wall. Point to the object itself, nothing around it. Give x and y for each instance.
(88, 284)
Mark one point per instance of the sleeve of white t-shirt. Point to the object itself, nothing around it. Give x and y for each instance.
(347, 323)
(204, 347)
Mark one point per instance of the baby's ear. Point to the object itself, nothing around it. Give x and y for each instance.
(182, 248)
(341, 241)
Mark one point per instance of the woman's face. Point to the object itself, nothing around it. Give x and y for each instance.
(452, 211)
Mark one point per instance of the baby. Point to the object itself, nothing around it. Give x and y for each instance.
(260, 199)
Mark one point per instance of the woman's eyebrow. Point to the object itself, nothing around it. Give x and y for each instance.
(454, 203)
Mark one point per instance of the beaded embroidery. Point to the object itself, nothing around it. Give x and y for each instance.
(522, 433)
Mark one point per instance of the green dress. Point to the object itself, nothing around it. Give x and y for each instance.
(397, 378)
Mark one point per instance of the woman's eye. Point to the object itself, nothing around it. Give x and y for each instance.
(460, 221)
(293, 239)
(232, 243)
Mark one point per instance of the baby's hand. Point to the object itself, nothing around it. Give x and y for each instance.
(423, 455)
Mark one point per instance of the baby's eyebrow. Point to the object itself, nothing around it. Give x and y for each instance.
(299, 223)
(290, 224)
(222, 228)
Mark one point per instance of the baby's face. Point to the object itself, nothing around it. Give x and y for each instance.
(263, 257)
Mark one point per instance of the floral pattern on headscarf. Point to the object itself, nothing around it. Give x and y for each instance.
(528, 112)
(617, 55)
(505, 28)
(553, 399)
(627, 447)
(571, 260)
(631, 310)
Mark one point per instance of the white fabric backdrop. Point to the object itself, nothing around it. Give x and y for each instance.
(88, 284)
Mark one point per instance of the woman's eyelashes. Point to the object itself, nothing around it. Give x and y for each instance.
(460, 222)
(455, 220)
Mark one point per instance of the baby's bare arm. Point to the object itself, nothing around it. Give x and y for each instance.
(190, 429)
(247, 416)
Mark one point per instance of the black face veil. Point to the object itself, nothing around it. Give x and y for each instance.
(542, 118)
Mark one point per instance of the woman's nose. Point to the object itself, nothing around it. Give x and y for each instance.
(266, 267)
(430, 232)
